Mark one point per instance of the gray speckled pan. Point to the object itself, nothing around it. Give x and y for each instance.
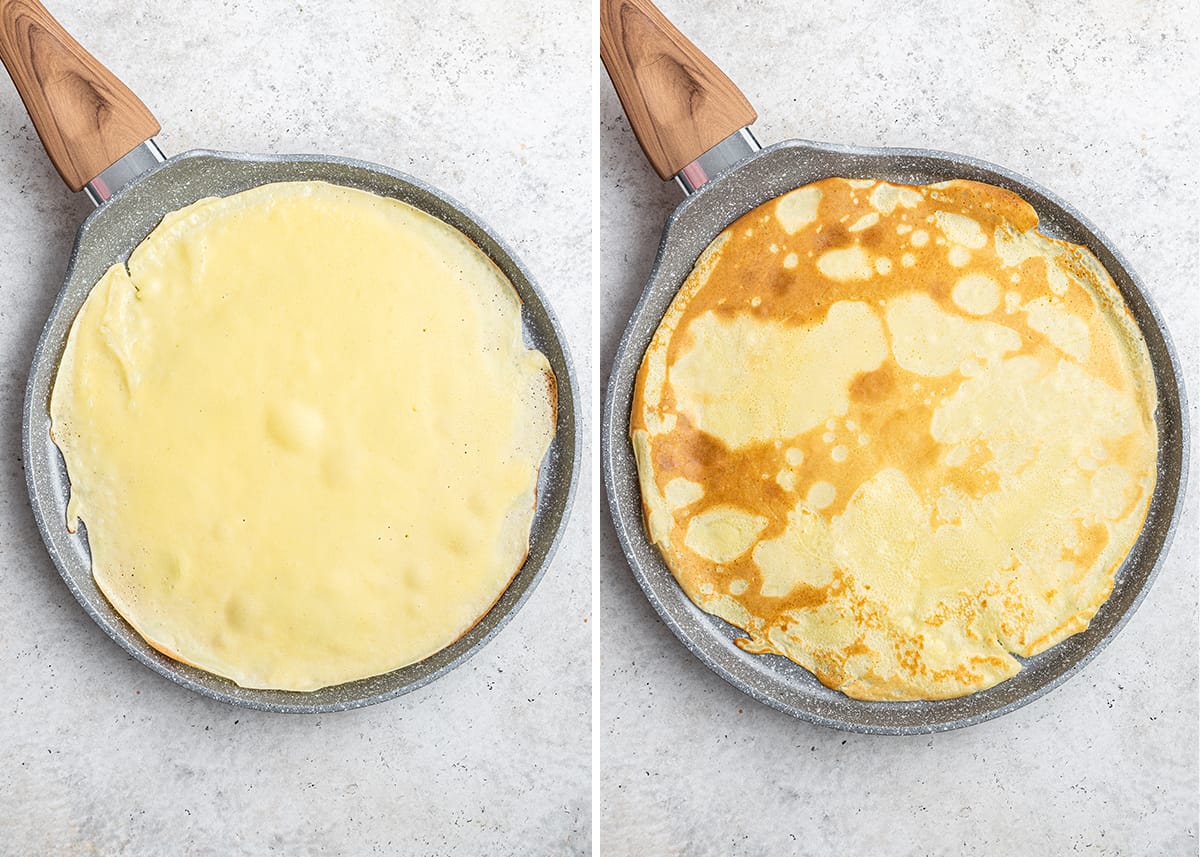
(109, 235)
(99, 136)
(778, 681)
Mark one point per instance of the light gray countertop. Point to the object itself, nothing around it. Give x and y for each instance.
(98, 755)
(1096, 101)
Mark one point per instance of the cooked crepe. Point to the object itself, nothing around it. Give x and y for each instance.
(896, 434)
(303, 433)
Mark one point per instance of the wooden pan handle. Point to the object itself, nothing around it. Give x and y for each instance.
(87, 119)
(678, 102)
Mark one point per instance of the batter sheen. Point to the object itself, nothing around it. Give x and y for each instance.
(896, 435)
(304, 434)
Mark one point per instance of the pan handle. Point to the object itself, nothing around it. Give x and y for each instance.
(679, 104)
(87, 119)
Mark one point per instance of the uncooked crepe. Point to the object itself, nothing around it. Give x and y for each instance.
(304, 434)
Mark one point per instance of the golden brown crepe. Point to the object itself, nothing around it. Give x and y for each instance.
(304, 434)
(896, 435)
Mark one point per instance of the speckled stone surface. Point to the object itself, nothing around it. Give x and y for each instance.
(98, 755)
(1094, 101)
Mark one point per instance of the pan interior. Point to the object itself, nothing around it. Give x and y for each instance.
(775, 680)
(111, 233)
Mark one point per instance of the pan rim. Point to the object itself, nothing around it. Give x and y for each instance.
(483, 631)
(616, 454)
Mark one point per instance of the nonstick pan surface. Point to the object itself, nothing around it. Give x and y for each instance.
(775, 680)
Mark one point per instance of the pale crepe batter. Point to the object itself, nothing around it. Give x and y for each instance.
(896, 434)
(304, 434)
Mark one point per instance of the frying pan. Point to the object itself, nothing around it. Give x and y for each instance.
(100, 138)
(693, 125)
